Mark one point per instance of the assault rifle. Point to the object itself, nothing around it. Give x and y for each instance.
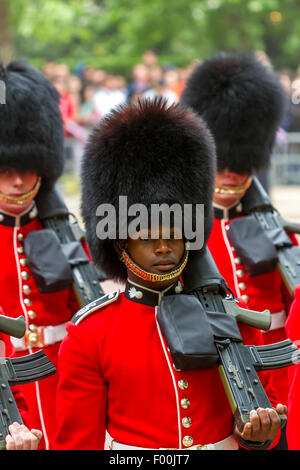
(260, 238)
(17, 371)
(55, 216)
(201, 331)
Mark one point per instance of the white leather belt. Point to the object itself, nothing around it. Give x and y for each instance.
(40, 336)
(229, 443)
(278, 320)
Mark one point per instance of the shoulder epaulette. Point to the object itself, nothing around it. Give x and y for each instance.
(85, 311)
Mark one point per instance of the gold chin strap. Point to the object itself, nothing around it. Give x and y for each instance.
(236, 190)
(20, 200)
(140, 272)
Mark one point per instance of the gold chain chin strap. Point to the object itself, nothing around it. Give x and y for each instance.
(25, 197)
(236, 190)
(134, 268)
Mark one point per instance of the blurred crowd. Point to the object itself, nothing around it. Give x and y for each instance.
(89, 93)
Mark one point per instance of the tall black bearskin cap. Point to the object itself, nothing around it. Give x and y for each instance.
(153, 154)
(31, 129)
(243, 104)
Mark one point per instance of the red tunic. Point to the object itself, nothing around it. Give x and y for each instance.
(116, 373)
(19, 295)
(264, 291)
(293, 332)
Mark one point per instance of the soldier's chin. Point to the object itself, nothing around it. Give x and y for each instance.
(14, 208)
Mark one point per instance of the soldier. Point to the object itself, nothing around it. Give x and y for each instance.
(20, 437)
(31, 160)
(114, 361)
(243, 104)
(293, 332)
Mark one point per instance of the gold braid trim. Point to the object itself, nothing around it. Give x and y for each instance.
(25, 197)
(236, 190)
(152, 277)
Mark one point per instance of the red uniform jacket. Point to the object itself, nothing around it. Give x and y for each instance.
(293, 332)
(19, 295)
(264, 291)
(116, 374)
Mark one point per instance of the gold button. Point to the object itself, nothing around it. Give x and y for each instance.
(242, 286)
(23, 262)
(187, 441)
(237, 260)
(26, 290)
(33, 338)
(27, 302)
(20, 250)
(31, 314)
(185, 403)
(182, 384)
(245, 298)
(20, 237)
(240, 273)
(25, 275)
(186, 422)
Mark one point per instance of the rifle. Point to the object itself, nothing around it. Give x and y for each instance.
(55, 216)
(201, 331)
(17, 371)
(269, 232)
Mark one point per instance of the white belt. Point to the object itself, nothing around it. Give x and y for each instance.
(40, 336)
(229, 443)
(278, 320)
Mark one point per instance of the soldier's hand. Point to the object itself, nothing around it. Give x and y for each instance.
(21, 438)
(264, 424)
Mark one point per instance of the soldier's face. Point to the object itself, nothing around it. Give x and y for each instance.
(157, 256)
(229, 180)
(16, 183)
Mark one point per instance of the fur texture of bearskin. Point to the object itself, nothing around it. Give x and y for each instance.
(152, 154)
(243, 104)
(31, 130)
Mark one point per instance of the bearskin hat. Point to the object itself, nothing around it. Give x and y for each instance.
(243, 104)
(153, 154)
(31, 130)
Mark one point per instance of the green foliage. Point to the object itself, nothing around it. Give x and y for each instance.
(113, 34)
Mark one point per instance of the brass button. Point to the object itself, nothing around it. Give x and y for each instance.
(245, 298)
(31, 314)
(187, 441)
(186, 422)
(237, 260)
(25, 275)
(27, 302)
(26, 290)
(182, 384)
(33, 327)
(242, 286)
(240, 273)
(20, 237)
(33, 338)
(20, 250)
(227, 227)
(23, 262)
(185, 403)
